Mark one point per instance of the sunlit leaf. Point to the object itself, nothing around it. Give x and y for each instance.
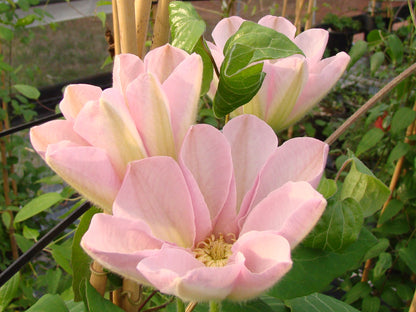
(49, 303)
(37, 205)
(8, 291)
(96, 303)
(28, 91)
(369, 140)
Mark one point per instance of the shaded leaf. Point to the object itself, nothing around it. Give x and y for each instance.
(327, 187)
(318, 302)
(376, 60)
(49, 303)
(8, 291)
(374, 251)
(28, 91)
(392, 209)
(369, 140)
(408, 253)
(402, 119)
(96, 303)
(357, 51)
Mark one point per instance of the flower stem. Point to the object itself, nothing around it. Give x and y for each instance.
(180, 306)
(214, 306)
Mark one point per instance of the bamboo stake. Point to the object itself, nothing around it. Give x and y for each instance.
(373, 7)
(98, 278)
(299, 6)
(142, 9)
(284, 8)
(127, 26)
(116, 29)
(131, 295)
(413, 304)
(161, 29)
(308, 23)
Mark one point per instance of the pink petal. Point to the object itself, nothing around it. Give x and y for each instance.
(177, 272)
(154, 191)
(313, 43)
(53, 132)
(225, 29)
(127, 67)
(281, 88)
(280, 24)
(162, 61)
(292, 211)
(119, 244)
(75, 97)
(87, 169)
(321, 80)
(299, 159)
(206, 153)
(266, 260)
(252, 141)
(182, 89)
(107, 124)
(150, 110)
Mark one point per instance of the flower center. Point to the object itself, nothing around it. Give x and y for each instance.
(215, 251)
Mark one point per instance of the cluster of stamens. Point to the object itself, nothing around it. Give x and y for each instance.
(215, 251)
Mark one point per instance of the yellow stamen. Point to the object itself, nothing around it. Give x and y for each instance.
(215, 251)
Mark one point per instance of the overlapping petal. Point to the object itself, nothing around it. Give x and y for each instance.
(190, 210)
(142, 115)
(292, 85)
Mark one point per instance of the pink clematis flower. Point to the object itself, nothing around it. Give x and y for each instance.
(147, 112)
(293, 85)
(219, 223)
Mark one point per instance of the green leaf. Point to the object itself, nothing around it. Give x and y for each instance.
(306, 275)
(6, 33)
(370, 304)
(402, 119)
(8, 291)
(318, 302)
(398, 151)
(358, 291)
(327, 187)
(37, 205)
(80, 260)
(27, 20)
(392, 209)
(208, 69)
(52, 279)
(7, 219)
(23, 243)
(49, 303)
(186, 25)
(374, 251)
(102, 17)
(365, 188)
(28, 91)
(239, 79)
(376, 60)
(62, 256)
(383, 263)
(256, 305)
(369, 140)
(96, 303)
(338, 227)
(357, 51)
(408, 253)
(396, 226)
(395, 48)
(30, 233)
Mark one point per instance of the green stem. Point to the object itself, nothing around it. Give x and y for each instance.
(214, 306)
(180, 306)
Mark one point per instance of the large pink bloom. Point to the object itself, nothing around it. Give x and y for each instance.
(147, 112)
(220, 222)
(293, 85)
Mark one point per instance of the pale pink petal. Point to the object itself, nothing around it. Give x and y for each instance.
(87, 169)
(225, 29)
(252, 142)
(182, 89)
(177, 272)
(299, 159)
(154, 191)
(119, 244)
(127, 67)
(291, 211)
(151, 114)
(281, 88)
(324, 76)
(75, 97)
(312, 42)
(280, 24)
(107, 124)
(266, 260)
(53, 132)
(162, 61)
(206, 153)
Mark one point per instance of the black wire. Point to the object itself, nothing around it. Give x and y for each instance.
(42, 243)
(29, 124)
